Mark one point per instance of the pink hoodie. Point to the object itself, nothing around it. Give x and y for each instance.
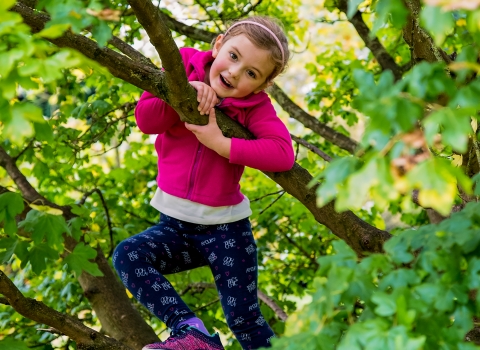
(189, 170)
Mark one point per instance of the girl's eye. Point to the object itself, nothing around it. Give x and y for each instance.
(233, 56)
(251, 74)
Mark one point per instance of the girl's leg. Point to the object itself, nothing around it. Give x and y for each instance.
(143, 259)
(232, 255)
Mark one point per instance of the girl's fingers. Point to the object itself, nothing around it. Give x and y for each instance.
(206, 97)
(201, 99)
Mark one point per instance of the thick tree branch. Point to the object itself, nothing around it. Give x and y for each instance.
(385, 60)
(421, 44)
(28, 192)
(85, 337)
(161, 38)
(126, 49)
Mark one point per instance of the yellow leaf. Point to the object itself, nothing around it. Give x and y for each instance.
(47, 209)
(129, 294)
(441, 202)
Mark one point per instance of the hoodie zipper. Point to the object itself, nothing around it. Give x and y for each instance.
(194, 169)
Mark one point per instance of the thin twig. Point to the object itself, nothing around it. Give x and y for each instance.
(50, 330)
(267, 195)
(207, 305)
(297, 150)
(23, 151)
(305, 253)
(311, 147)
(139, 217)
(273, 202)
(107, 214)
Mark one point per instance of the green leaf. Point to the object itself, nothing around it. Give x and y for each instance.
(337, 171)
(18, 129)
(78, 260)
(9, 245)
(11, 204)
(476, 181)
(102, 33)
(53, 31)
(75, 225)
(353, 7)
(38, 255)
(9, 343)
(437, 21)
(43, 225)
(394, 10)
(9, 59)
(29, 111)
(455, 128)
(437, 181)
(43, 132)
(386, 305)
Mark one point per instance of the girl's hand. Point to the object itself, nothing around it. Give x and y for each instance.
(206, 97)
(211, 136)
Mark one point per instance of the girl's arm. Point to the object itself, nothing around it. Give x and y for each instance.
(272, 150)
(153, 115)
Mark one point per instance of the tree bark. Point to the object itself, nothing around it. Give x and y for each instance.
(119, 318)
(86, 338)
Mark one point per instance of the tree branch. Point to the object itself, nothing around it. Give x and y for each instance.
(85, 337)
(311, 147)
(421, 43)
(385, 60)
(161, 38)
(311, 122)
(130, 51)
(107, 214)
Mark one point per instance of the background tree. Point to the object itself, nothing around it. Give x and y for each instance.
(76, 176)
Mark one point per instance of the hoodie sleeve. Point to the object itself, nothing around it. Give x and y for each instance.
(152, 114)
(272, 149)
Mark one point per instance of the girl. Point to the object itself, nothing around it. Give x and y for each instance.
(204, 216)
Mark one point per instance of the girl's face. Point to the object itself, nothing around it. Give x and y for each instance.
(239, 68)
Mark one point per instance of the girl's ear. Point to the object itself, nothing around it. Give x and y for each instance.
(264, 86)
(217, 45)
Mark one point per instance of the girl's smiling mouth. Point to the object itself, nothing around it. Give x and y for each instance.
(225, 82)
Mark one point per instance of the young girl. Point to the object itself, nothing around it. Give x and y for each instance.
(204, 216)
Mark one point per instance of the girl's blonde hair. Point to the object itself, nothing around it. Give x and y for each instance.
(263, 39)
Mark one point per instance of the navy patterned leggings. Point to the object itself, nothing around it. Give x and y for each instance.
(173, 246)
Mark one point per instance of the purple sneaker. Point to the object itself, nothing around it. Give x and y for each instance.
(188, 338)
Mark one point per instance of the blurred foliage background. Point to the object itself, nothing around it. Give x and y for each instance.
(402, 87)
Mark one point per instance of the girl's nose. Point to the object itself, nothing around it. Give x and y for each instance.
(234, 71)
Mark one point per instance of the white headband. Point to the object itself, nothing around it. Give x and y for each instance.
(268, 30)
